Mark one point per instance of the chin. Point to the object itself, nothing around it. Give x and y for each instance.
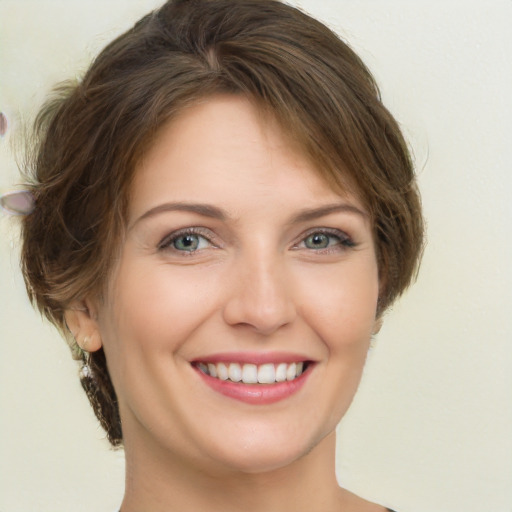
(256, 453)
(263, 461)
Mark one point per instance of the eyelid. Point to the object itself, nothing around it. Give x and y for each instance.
(345, 239)
(166, 242)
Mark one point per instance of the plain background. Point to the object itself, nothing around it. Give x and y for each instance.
(430, 429)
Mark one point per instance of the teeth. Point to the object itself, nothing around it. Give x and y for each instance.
(212, 369)
(268, 373)
(281, 372)
(249, 374)
(235, 372)
(291, 372)
(222, 371)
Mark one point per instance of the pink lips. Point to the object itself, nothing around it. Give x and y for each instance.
(255, 394)
(253, 357)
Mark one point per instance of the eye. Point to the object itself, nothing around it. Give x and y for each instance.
(326, 239)
(319, 241)
(185, 241)
(188, 243)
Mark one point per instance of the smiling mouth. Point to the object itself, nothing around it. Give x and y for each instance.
(268, 373)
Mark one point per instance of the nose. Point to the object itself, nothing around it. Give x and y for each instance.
(260, 296)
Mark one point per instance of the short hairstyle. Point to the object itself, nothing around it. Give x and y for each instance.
(91, 135)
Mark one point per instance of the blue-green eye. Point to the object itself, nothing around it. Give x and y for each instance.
(319, 240)
(185, 242)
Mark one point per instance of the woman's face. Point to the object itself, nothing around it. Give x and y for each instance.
(239, 262)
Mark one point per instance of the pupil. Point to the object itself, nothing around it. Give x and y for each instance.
(187, 242)
(318, 241)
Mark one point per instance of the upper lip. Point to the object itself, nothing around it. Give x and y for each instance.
(257, 358)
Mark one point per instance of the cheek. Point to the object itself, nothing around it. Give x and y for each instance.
(156, 306)
(152, 312)
(341, 304)
(342, 313)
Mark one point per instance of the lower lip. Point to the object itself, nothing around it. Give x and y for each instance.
(256, 394)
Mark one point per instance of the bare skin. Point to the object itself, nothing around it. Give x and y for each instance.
(235, 249)
(303, 487)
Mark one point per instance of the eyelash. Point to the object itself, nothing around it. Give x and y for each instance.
(168, 242)
(343, 240)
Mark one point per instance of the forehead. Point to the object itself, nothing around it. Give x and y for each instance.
(226, 148)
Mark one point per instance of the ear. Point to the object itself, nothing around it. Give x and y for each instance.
(81, 320)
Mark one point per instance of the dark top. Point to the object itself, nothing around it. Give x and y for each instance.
(388, 509)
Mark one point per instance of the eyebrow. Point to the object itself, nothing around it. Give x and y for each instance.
(315, 213)
(207, 210)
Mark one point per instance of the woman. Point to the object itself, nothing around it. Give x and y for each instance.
(223, 212)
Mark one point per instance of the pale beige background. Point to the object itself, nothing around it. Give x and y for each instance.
(430, 429)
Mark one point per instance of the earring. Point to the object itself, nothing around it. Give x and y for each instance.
(86, 371)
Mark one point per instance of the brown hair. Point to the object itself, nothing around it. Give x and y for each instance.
(92, 134)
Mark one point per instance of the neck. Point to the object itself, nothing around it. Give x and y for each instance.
(164, 483)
